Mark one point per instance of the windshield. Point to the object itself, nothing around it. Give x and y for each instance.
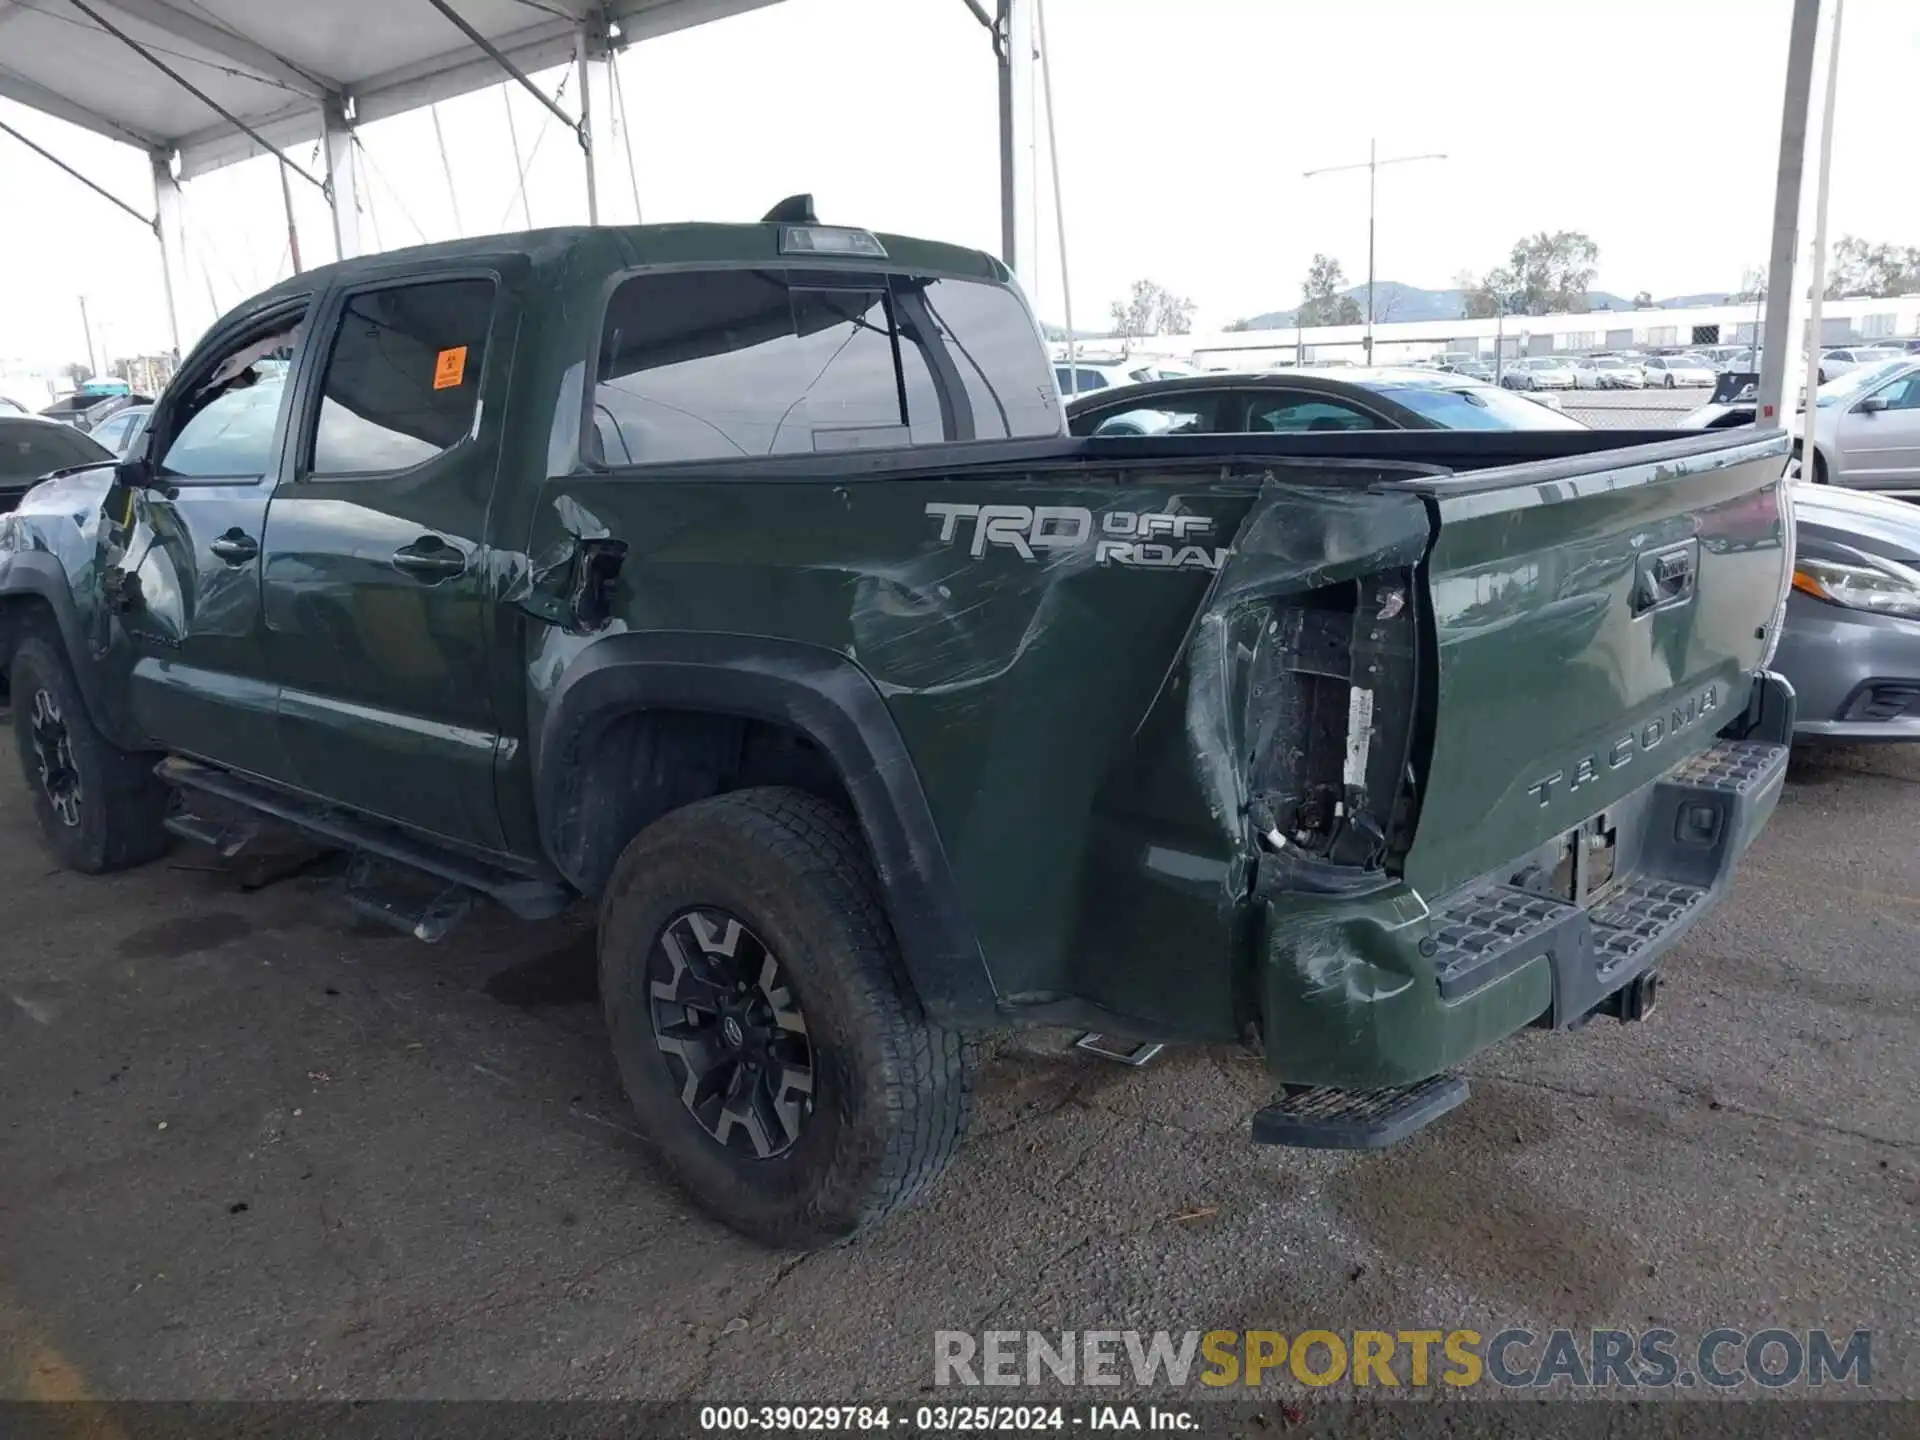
(1607, 362)
(1857, 380)
(1476, 407)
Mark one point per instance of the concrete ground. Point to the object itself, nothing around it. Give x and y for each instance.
(1633, 409)
(250, 1148)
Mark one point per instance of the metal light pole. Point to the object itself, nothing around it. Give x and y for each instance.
(1815, 320)
(86, 328)
(1372, 166)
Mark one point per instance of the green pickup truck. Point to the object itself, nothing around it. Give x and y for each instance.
(744, 581)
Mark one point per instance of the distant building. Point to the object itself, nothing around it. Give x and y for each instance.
(147, 374)
(1397, 342)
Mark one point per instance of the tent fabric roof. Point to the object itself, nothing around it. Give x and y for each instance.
(275, 63)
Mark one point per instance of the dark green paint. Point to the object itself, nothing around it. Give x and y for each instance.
(1080, 731)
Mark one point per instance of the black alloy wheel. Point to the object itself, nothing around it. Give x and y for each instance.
(53, 750)
(726, 1018)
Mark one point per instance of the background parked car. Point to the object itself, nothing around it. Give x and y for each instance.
(86, 408)
(1866, 427)
(122, 428)
(1388, 398)
(1837, 360)
(1618, 373)
(31, 447)
(1084, 377)
(1537, 372)
(1851, 641)
(1672, 371)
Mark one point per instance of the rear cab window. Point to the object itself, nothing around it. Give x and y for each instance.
(743, 363)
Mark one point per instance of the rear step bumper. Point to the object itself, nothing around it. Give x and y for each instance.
(1317, 1118)
(1692, 827)
(1390, 991)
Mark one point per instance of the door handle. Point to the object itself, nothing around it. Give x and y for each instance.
(430, 558)
(236, 547)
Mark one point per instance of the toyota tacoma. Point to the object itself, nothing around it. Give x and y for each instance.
(744, 581)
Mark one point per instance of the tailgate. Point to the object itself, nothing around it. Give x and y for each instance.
(1596, 621)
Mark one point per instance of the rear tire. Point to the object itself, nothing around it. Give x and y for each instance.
(99, 808)
(766, 1032)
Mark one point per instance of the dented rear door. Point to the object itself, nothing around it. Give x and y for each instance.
(1595, 623)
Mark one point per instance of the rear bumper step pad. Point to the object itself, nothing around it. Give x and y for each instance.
(1693, 824)
(1318, 1117)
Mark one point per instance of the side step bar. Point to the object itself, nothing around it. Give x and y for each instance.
(1317, 1117)
(526, 896)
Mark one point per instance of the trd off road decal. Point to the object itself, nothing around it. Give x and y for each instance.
(1146, 539)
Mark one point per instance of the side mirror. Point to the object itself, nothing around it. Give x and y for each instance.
(134, 471)
(1872, 405)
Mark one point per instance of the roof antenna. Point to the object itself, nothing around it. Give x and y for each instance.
(794, 210)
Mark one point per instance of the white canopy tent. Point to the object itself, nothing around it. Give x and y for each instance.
(201, 84)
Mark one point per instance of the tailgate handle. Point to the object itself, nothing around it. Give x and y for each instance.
(1665, 577)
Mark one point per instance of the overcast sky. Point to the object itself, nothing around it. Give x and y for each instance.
(1184, 128)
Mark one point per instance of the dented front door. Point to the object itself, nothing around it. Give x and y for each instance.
(179, 567)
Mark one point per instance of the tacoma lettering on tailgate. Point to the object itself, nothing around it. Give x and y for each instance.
(1684, 716)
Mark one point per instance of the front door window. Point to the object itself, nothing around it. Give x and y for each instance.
(225, 428)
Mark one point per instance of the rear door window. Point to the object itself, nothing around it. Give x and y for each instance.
(748, 363)
(1187, 412)
(403, 376)
(1289, 412)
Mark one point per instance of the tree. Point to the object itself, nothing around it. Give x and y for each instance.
(1753, 284)
(77, 371)
(1152, 309)
(1321, 302)
(1551, 272)
(1545, 274)
(1234, 327)
(1872, 271)
(1487, 296)
(1643, 300)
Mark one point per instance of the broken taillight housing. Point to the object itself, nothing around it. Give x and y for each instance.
(1333, 717)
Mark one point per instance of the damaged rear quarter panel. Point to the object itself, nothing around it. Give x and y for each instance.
(1073, 723)
(1018, 684)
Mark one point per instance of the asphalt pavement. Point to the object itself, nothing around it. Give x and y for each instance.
(251, 1148)
(1632, 409)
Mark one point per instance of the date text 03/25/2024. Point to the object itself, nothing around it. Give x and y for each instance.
(936, 1419)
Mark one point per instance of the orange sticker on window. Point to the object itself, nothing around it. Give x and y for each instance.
(450, 368)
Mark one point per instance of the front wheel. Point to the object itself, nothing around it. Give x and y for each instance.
(766, 1032)
(99, 808)
(1671, 382)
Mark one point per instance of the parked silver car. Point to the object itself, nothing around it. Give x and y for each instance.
(1671, 371)
(1866, 428)
(1837, 360)
(119, 430)
(1616, 372)
(1537, 372)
